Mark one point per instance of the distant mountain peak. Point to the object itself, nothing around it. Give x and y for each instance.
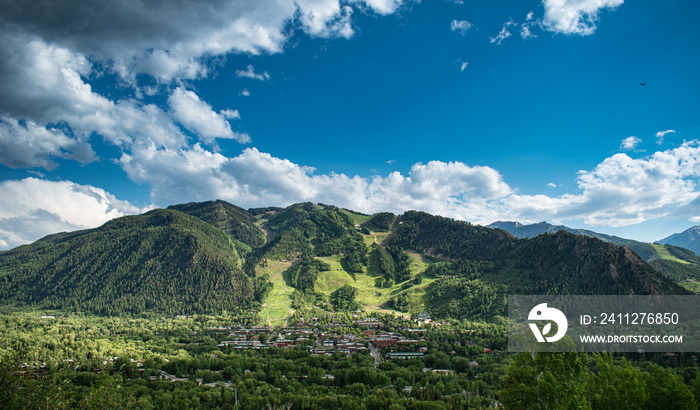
(690, 239)
(505, 225)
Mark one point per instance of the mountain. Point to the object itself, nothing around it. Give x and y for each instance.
(213, 256)
(562, 258)
(689, 239)
(163, 260)
(307, 230)
(646, 251)
(483, 265)
(673, 261)
(234, 221)
(529, 231)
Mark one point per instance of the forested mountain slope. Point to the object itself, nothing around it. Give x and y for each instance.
(236, 222)
(482, 265)
(163, 260)
(167, 260)
(560, 262)
(674, 262)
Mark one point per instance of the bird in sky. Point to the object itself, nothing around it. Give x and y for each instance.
(644, 83)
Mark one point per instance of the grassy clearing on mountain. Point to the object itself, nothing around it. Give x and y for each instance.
(691, 285)
(369, 239)
(664, 254)
(371, 296)
(357, 219)
(278, 305)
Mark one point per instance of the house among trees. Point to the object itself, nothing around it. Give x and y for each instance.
(372, 323)
(423, 318)
(403, 355)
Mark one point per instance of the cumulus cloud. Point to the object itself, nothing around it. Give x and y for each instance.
(329, 19)
(173, 40)
(198, 116)
(661, 134)
(249, 72)
(503, 34)
(45, 82)
(52, 49)
(575, 16)
(619, 191)
(33, 208)
(622, 190)
(256, 178)
(460, 26)
(630, 143)
(382, 6)
(27, 145)
(43, 85)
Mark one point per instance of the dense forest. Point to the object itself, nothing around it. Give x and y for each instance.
(163, 260)
(69, 362)
(558, 263)
(235, 222)
(679, 264)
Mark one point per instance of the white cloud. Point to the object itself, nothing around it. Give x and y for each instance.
(255, 178)
(661, 134)
(245, 92)
(463, 66)
(33, 208)
(382, 6)
(49, 88)
(249, 72)
(460, 26)
(503, 34)
(177, 173)
(525, 32)
(552, 185)
(575, 16)
(47, 57)
(44, 82)
(526, 27)
(630, 143)
(619, 191)
(173, 40)
(230, 114)
(27, 145)
(622, 191)
(390, 161)
(198, 116)
(328, 20)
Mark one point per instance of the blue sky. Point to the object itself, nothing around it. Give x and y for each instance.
(477, 110)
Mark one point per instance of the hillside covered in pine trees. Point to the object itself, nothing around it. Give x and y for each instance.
(214, 256)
